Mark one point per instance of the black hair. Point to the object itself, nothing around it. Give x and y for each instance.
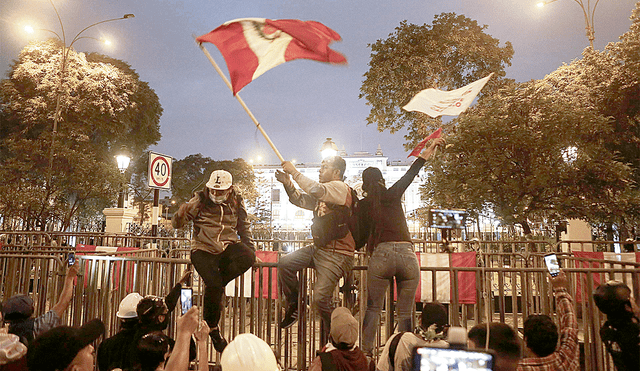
(502, 339)
(613, 298)
(374, 188)
(541, 334)
(151, 350)
(338, 163)
(434, 313)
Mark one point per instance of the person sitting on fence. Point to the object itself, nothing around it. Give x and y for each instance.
(621, 332)
(222, 244)
(65, 348)
(541, 334)
(341, 352)
(333, 249)
(17, 311)
(248, 352)
(112, 351)
(431, 332)
(383, 227)
(503, 341)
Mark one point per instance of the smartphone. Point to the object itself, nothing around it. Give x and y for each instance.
(186, 298)
(427, 359)
(553, 264)
(71, 259)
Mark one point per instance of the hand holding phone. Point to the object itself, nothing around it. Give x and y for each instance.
(71, 259)
(186, 298)
(553, 264)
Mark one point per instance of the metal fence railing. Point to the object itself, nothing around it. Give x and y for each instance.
(504, 282)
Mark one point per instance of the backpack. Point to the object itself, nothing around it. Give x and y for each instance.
(335, 225)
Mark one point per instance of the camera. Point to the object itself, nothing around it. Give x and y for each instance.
(553, 264)
(427, 359)
(186, 298)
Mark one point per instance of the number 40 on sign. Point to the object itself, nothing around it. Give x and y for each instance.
(159, 171)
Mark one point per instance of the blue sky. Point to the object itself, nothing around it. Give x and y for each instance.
(302, 102)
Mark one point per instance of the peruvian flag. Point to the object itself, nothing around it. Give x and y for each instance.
(124, 269)
(443, 280)
(630, 257)
(251, 46)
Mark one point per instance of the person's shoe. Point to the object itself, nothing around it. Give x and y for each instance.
(290, 317)
(219, 343)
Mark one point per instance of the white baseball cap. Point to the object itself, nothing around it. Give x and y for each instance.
(220, 180)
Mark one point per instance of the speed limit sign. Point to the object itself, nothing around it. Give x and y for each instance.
(159, 171)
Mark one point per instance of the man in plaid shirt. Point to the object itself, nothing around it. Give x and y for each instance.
(541, 334)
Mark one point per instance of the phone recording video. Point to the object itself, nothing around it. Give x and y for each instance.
(71, 259)
(186, 298)
(553, 264)
(428, 359)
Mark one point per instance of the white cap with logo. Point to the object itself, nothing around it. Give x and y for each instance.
(220, 180)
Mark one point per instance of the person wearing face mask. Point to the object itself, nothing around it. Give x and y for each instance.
(222, 246)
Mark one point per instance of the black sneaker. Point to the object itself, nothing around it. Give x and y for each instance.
(219, 343)
(290, 317)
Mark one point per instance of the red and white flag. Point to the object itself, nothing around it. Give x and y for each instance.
(444, 290)
(251, 46)
(436, 102)
(416, 151)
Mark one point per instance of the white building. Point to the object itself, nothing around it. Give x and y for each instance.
(287, 217)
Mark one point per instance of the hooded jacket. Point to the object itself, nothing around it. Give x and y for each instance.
(215, 226)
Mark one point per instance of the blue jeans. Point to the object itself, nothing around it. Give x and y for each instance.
(389, 260)
(330, 267)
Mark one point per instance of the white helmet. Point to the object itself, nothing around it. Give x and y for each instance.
(248, 352)
(127, 308)
(11, 348)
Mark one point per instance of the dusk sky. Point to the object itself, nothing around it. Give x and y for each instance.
(302, 102)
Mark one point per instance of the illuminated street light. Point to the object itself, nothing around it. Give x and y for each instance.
(123, 159)
(329, 148)
(588, 16)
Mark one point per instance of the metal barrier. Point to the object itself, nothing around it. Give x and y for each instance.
(508, 287)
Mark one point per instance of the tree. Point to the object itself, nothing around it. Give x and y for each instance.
(528, 154)
(50, 179)
(192, 173)
(452, 52)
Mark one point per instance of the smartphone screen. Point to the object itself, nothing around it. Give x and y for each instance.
(426, 359)
(553, 265)
(186, 299)
(71, 259)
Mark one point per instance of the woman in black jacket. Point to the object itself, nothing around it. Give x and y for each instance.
(384, 226)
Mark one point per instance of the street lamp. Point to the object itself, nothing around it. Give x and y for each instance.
(329, 148)
(63, 66)
(123, 160)
(588, 16)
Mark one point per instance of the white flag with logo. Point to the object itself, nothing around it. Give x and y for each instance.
(436, 102)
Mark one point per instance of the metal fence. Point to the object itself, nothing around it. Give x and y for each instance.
(507, 282)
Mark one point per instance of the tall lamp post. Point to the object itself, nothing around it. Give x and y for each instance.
(588, 12)
(123, 160)
(63, 67)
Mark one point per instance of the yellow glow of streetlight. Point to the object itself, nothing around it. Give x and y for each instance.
(28, 29)
(106, 42)
(540, 4)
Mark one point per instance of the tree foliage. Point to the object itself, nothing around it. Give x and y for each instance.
(527, 154)
(452, 52)
(53, 175)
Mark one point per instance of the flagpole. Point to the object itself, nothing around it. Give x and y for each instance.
(255, 121)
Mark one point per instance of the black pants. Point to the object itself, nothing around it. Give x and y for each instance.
(217, 270)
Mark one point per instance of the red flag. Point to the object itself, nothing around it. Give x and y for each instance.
(252, 46)
(416, 151)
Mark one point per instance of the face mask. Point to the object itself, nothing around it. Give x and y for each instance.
(218, 199)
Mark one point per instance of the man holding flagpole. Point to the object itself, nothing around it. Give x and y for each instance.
(332, 252)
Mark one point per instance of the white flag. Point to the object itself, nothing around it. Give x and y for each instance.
(435, 102)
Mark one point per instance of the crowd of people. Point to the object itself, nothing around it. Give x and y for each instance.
(223, 249)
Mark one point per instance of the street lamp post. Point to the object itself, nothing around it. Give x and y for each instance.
(329, 148)
(63, 66)
(588, 12)
(123, 160)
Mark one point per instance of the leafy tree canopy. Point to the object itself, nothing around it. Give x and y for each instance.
(103, 105)
(450, 53)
